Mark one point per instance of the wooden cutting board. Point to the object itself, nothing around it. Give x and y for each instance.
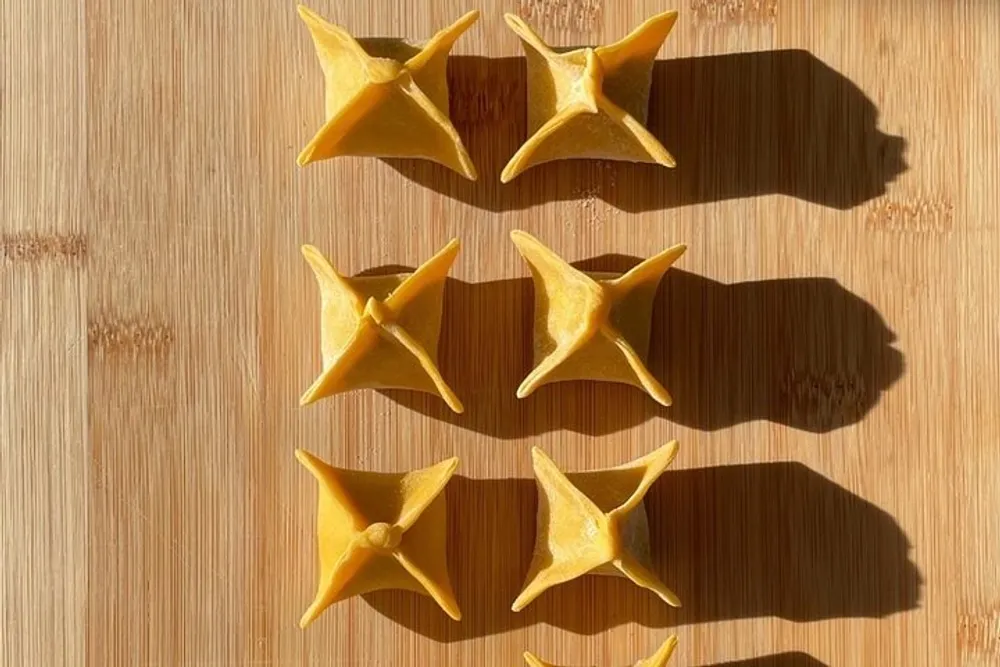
(830, 337)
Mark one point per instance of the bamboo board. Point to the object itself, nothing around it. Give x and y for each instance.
(830, 337)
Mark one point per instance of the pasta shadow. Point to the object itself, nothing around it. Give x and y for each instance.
(739, 125)
(791, 659)
(763, 540)
(803, 352)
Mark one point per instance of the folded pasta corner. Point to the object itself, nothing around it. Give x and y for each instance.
(386, 97)
(379, 531)
(594, 523)
(381, 332)
(590, 102)
(592, 326)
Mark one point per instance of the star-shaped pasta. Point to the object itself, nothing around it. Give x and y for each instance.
(590, 103)
(592, 326)
(386, 97)
(594, 523)
(381, 331)
(381, 530)
(658, 659)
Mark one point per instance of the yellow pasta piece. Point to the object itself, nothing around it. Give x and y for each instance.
(381, 332)
(381, 530)
(592, 326)
(594, 523)
(386, 97)
(658, 659)
(590, 103)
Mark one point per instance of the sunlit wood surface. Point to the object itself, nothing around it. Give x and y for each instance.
(830, 338)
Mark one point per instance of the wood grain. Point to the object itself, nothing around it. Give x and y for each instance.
(830, 338)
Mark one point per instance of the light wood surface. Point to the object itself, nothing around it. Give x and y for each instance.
(830, 338)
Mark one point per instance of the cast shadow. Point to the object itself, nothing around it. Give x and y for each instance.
(777, 660)
(803, 352)
(739, 125)
(750, 541)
